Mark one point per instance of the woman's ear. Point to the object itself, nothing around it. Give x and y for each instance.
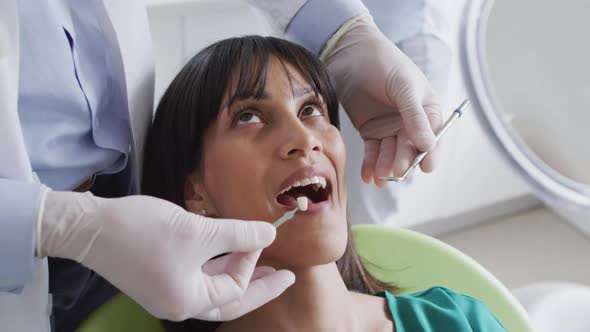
(195, 197)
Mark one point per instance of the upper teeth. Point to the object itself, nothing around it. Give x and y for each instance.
(320, 181)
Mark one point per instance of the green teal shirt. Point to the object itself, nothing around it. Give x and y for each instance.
(440, 309)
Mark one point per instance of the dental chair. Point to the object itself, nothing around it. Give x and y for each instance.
(410, 260)
(415, 262)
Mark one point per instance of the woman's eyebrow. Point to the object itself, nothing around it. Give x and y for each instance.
(303, 91)
(265, 95)
(228, 103)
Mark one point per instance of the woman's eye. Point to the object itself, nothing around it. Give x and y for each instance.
(248, 117)
(310, 111)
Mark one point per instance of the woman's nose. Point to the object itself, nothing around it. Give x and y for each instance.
(298, 141)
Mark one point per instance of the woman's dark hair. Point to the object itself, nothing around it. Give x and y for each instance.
(174, 146)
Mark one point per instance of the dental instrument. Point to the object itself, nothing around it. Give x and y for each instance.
(302, 203)
(456, 114)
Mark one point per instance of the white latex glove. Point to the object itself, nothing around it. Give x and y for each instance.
(159, 254)
(386, 96)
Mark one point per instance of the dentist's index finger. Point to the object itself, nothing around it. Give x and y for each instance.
(232, 235)
(435, 117)
(417, 124)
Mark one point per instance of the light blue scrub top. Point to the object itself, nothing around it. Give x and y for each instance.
(71, 103)
(73, 111)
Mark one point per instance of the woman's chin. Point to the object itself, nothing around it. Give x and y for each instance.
(311, 253)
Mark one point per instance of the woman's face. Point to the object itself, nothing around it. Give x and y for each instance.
(260, 154)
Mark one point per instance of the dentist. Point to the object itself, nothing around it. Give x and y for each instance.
(76, 96)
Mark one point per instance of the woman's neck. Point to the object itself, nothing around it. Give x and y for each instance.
(318, 301)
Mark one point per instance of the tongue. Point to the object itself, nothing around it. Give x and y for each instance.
(289, 200)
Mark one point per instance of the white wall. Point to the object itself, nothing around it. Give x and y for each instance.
(472, 183)
(546, 93)
(181, 28)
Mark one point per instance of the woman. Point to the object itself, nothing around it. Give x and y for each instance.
(249, 125)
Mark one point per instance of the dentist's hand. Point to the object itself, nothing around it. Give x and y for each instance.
(159, 254)
(386, 96)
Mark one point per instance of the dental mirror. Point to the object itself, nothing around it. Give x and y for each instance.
(526, 65)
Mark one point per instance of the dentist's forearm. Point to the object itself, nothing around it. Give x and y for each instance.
(308, 22)
(318, 20)
(19, 205)
(278, 13)
(421, 29)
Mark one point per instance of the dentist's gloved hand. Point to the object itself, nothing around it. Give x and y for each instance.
(387, 98)
(159, 254)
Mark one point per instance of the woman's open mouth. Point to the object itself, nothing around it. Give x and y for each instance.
(316, 188)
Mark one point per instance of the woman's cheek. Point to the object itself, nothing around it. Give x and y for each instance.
(336, 152)
(335, 147)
